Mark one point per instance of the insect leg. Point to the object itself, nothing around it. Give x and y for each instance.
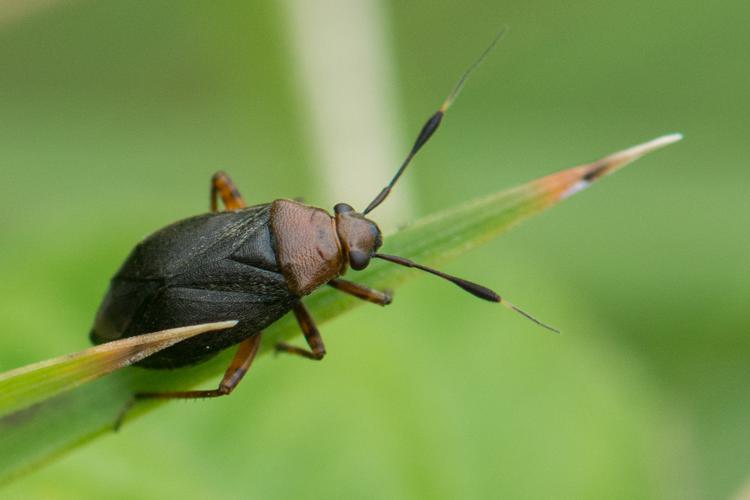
(237, 368)
(312, 336)
(362, 292)
(222, 185)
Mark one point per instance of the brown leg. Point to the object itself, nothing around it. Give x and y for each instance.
(222, 185)
(312, 336)
(362, 292)
(237, 368)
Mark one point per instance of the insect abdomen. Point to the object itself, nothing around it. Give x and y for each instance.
(208, 268)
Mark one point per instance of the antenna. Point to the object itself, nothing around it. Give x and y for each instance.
(433, 123)
(473, 288)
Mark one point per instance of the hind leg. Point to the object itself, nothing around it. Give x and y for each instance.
(232, 376)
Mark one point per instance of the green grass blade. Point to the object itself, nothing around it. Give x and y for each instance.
(28, 385)
(32, 434)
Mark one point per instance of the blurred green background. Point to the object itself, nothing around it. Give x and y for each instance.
(113, 116)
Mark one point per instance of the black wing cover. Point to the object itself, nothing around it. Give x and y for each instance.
(213, 267)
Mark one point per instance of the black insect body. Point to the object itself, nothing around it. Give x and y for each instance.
(218, 265)
(251, 264)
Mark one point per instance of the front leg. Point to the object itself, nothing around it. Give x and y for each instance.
(312, 336)
(362, 292)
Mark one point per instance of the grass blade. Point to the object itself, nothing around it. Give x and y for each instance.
(35, 434)
(30, 384)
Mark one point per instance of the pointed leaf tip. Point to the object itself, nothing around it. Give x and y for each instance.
(566, 183)
(29, 384)
(618, 160)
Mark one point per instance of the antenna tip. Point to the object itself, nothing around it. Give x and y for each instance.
(528, 316)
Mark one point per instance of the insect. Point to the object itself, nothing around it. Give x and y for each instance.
(252, 264)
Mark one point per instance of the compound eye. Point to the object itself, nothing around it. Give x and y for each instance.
(341, 208)
(358, 260)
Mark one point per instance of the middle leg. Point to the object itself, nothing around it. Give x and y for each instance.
(312, 336)
(222, 186)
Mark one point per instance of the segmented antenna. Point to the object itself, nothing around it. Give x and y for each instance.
(473, 288)
(433, 123)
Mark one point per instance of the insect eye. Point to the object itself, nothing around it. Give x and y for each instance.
(341, 208)
(358, 260)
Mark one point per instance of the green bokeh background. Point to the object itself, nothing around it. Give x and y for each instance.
(113, 115)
